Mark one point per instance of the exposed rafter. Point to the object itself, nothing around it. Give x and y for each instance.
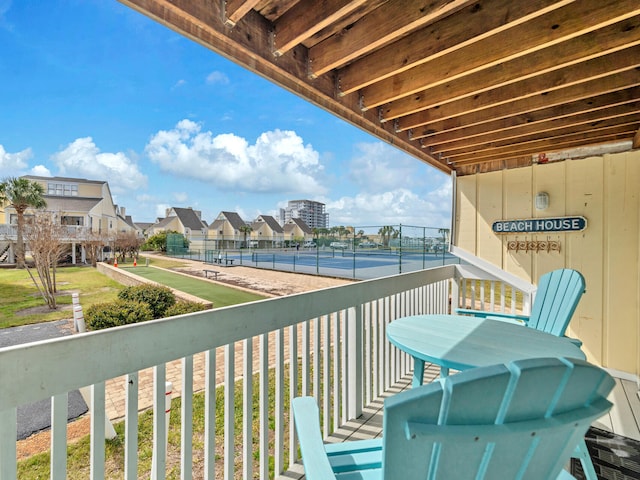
(462, 85)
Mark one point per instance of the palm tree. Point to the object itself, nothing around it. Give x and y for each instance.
(246, 229)
(385, 233)
(21, 193)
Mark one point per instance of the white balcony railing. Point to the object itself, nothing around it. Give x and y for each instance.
(69, 232)
(330, 343)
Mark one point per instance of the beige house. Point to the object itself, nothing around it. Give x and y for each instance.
(296, 231)
(266, 232)
(84, 206)
(226, 231)
(185, 221)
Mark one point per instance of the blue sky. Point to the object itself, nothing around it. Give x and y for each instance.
(93, 89)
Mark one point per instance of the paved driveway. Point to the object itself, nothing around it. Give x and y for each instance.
(35, 417)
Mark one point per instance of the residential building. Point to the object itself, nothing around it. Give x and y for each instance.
(312, 213)
(185, 221)
(226, 231)
(84, 206)
(297, 231)
(266, 233)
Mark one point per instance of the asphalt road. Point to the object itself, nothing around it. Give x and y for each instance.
(35, 417)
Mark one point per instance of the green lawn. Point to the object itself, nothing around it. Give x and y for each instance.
(18, 293)
(220, 295)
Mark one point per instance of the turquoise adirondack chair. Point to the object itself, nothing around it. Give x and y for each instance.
(555, 302)
(521, 421)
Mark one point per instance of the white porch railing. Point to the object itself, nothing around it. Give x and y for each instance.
(331, 343)
(70, 232)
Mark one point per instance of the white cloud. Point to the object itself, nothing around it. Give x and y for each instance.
(218, 78)
(41, 171)
(178, 84)
(379, 167)
(161, 209)
(12, 163)
(278, 162)
(181, 197)
(82, 158)
(401, 206)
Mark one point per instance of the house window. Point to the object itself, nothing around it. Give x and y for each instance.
(62, 189)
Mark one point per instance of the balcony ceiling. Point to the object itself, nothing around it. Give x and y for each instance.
(462, 85)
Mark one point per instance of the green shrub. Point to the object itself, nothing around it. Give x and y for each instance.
(182, 307)
(120, 312)
(158, 298)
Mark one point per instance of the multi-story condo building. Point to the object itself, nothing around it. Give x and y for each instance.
(312, 213)
(84, 207)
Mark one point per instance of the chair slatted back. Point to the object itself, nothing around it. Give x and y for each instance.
(556, 300)
(516, 421)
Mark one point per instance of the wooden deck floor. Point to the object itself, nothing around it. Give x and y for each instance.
(623, 419)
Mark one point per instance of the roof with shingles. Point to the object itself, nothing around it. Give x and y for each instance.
(189, 218)
(234, 219)
(303, 226)
(63, 179)
(70, 204)
(216, 224)
(271, 222)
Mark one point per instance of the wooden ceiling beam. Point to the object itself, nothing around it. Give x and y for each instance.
(387, 23)
(547, 145)
(520, 64)
(234, 10)
(471, 24)
(307, 18)
(553, 128)
(248, 44)
(599, 75)
(451, 130)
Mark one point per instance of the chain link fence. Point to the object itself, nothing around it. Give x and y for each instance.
(346, 252)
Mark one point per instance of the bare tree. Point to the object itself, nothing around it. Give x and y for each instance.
(127, 243)
(93, 243)
(45, 239)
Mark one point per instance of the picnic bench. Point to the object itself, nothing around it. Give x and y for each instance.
(227, 261)
(211, 272)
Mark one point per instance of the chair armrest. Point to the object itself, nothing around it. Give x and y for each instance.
(494, 315)
(314, 457)
(575, 341)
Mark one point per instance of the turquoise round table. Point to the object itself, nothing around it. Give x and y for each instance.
(462, 342)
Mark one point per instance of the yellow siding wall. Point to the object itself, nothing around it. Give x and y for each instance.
(606, 191)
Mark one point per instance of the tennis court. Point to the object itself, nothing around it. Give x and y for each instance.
(344, 263)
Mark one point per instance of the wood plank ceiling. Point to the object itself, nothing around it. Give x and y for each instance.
(462, 85)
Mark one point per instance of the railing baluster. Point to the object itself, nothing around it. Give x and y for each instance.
(317, 349)
(59, 413)
(493, 296)
(306, 365)
(343, 341)
(229, 410)
(279, 404)
(159, 461)
(355, 364)
(247, 411)
(131, 428)
(368, 347)
(8, 433)
(293, 390)
(186, 411)
(336, 370)
(326, 383)
(210, 416)
(264, 406)
(97, 409)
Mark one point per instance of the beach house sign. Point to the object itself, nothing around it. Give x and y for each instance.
(540, 225)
